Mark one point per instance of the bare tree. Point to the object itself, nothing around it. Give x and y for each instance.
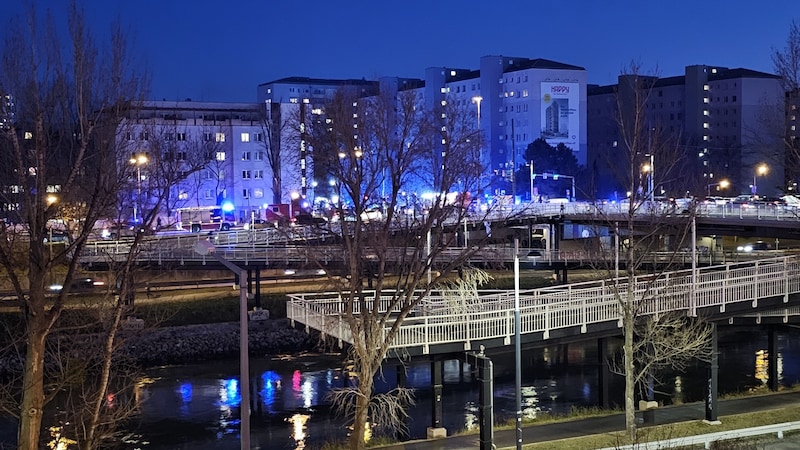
(641, 227)
(787, 66)
(375, 149)
(66, 93)
(281, 140)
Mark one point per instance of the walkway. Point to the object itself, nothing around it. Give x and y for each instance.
(506, 439)
(441, 322)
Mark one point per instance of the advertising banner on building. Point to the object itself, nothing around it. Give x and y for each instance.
(559, 116)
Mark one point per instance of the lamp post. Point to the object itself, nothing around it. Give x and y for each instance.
(649, 168)
(204, 248)
(477, 101)
(138, 161)
(723, 184)
(533, 175)
(762, 170)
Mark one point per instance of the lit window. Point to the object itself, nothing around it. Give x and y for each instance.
(221, 174)
(220, 156)
(705, 112)
(245, 137)
(524, 92)
(183, 195)
(614, 144)
(705, 87)
(705, 125)
(705, 100)
(29, 135)
(220, 137)
(258, 193)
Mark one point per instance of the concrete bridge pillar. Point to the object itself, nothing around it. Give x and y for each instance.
(603, 373)
(772, 359)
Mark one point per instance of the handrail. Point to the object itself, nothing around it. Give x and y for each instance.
(438, 320)
(706, 439)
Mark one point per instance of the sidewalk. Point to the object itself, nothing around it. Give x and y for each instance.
(506, 439)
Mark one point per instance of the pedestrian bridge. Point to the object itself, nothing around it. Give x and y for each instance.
(440, 323)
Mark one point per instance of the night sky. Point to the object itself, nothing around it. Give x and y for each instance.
(220, 51)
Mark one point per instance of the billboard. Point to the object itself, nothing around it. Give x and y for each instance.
(560, 120)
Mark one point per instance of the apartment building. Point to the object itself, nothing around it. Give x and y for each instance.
(221, 146)
(707, 125)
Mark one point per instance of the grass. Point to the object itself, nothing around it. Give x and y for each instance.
(671, 431)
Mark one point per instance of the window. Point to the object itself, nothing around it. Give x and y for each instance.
(181, 156)
(208, 174)
(258, 137)
(219, 137)
(245, 193)
(245, 137)
(245, 156)
(181, 136)
(128, 135)
(245, 174)
(258, 193)
(258, 174)
(183, 195)
(170, 137)
(220, 156)
(208, 194)
(144, 136)
(207, 137)
(259, 156)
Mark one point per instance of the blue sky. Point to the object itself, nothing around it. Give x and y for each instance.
(220, 51)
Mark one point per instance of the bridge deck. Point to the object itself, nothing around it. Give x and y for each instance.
(439, 323)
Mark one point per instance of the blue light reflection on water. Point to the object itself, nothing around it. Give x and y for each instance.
(197, 406)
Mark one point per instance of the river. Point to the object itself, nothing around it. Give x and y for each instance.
(196, 406)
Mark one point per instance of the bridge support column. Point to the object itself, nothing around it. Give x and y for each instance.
(485, 374)
(772, 359)
(603, 373)
(712, 384)
(258, 287)
(436, 430)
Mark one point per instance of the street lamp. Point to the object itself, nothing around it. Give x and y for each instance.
(649, 168)
(138, 161)
(205, 248)
(723, 184)
(762, 170)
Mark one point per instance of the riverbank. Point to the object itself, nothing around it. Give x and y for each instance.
(193, 343)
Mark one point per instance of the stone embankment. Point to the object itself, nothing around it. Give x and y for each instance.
(192, 343)
(148, 347)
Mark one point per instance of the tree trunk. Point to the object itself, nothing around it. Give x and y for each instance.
(361, 417)
(630, 379)
(105, 377)
(33, 384)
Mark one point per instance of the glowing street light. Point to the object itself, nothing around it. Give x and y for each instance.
(138, 161)
(723, 184)
(762, 170)
(649, 168)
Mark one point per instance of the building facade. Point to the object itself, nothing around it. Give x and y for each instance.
(720, 123)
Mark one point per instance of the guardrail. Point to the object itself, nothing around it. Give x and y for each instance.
(706, 440)
(441, 320)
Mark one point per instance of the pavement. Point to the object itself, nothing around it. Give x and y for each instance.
(506, 438)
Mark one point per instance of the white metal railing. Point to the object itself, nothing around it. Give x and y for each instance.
(705, 440)
(491, 315)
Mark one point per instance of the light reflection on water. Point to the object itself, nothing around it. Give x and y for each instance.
(197, 406)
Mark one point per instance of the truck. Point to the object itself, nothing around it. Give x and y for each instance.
(200, 218)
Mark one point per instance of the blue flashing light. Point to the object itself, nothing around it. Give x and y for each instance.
(227, 206)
